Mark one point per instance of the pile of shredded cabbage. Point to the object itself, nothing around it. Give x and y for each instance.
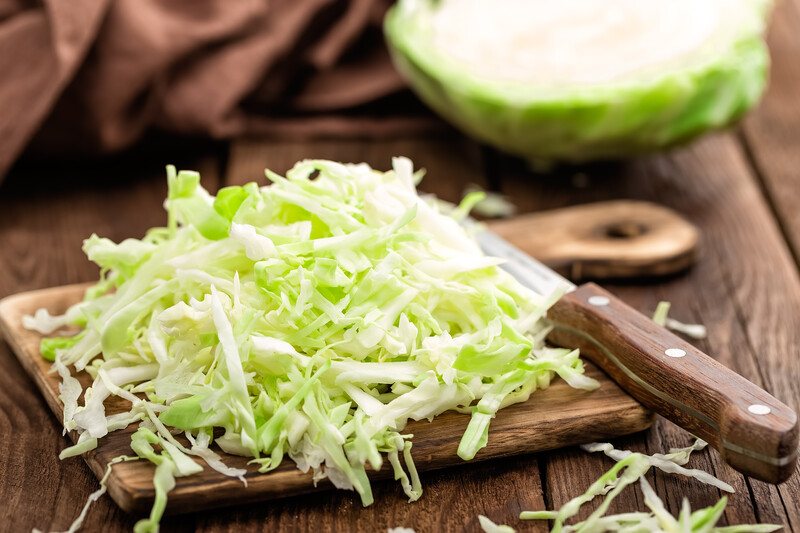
(312, 318)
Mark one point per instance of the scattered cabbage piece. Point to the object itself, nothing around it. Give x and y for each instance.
(671, 463)
(661, 317)
(93, 497)
(632, 467)
(312, 318)
(610, 484)
(575, 81)
(490, 527)
(659, 519)
(661, 312)
(45, 323)
(490, 204)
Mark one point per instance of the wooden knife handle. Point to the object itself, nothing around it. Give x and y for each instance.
(754, 432)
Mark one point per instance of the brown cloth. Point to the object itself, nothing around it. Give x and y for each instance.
(89, 76)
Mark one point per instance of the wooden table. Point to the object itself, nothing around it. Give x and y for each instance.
(742, 188)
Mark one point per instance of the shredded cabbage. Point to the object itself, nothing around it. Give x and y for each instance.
(489, 204)
(662, 318)
(490, 527)
(657, 520)
(661, 312)
(93, 497)
(670, 463)
(630, 468)
(312, 318)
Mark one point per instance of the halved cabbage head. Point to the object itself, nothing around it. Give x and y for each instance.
(577, 80)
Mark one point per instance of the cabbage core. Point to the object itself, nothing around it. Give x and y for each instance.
(580, 41)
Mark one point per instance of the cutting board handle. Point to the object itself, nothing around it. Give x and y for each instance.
(754, 432)
(605, 240)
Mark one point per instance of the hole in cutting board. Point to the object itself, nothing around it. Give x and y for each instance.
(625, 230)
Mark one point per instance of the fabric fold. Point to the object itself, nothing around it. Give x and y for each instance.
(93, 76)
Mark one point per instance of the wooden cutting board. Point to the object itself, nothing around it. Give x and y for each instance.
(552, 418)
(603, 240)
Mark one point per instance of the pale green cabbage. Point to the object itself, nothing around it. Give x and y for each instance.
(576, 81)
(662, 318)
(312, 318)
(490, 527)
(630, 468)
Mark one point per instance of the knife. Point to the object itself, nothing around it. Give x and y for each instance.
(754, 432)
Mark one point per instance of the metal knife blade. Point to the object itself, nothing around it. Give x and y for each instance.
(527, 270)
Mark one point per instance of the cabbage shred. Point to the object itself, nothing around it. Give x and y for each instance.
(630, 468)
(312, 318)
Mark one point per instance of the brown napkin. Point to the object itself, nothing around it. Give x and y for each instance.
(87, 76)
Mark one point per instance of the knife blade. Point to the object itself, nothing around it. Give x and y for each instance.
(527, 270)
(754, 432)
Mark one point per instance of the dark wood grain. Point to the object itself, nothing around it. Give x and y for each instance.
(771, 134)
(556, 417)
(747, 304)
(743, 288)
(46, 211)
(605, 240)
(754, 432)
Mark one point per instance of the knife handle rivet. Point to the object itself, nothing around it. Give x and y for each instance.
(675, 352)
(598, 300)
(758, 409)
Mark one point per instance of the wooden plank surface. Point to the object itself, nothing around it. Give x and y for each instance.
(745, 288)
(771, 134)
(709, 182)
(45, 213)
(741, 299)
(553, 418)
